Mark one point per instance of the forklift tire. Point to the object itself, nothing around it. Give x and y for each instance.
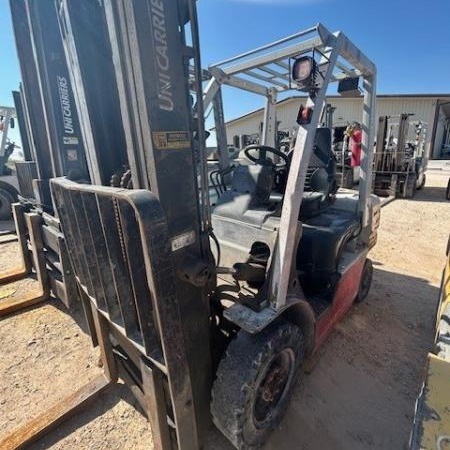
(6, 201)
(422, 183)
(365, 282)
(447, 193)
(254, 383)
(348, 182)
(410, 188)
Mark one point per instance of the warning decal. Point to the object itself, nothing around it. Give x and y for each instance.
(171, 140)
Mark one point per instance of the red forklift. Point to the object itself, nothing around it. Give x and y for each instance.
(212, 312)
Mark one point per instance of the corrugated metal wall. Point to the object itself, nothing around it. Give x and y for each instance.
(347, 110)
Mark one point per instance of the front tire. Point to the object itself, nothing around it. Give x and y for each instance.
(348, 179)
(421, 182)
(6, 201)
(254, 383)
(447, 193)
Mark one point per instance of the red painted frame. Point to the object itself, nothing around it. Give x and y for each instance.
(344, 298)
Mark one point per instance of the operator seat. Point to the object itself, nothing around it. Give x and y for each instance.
(321, 179)
(321, 246)
(249, 196)
(325, 230)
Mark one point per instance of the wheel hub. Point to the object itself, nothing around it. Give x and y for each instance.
(273, 386)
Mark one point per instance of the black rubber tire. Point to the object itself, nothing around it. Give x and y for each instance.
(242, 371)
(348, 179)
(447, 193)
(410, 188)
(6, 200)
(366, 281)
(422, 183)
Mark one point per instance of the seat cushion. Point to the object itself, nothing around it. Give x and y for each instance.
(313, 204)
(323, 240)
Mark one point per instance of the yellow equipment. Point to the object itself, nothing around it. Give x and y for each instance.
(432, 418)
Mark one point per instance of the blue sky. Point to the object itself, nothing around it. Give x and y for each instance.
(409, 40)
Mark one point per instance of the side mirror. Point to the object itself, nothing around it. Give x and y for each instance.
(12, 122)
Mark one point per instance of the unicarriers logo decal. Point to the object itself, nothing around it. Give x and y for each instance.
(66, 107)
(161, 57)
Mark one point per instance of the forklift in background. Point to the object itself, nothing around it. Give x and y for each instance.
(204, 312)
(399, 163)
(8, 181)
(347, 175)
(56, 124)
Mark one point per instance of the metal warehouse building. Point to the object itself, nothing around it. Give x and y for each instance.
(432, 109)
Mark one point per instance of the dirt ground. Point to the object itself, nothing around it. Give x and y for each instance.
(360, 394)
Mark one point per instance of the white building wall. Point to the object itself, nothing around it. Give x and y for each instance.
(347, 110)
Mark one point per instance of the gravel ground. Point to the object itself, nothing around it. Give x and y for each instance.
(359, 395)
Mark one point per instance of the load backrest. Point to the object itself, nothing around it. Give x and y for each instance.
(118, 243)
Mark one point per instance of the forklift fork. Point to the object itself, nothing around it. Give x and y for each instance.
(119, 246)
(24, 269)
(32, 223)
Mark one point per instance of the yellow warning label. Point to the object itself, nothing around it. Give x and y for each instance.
(171, 140)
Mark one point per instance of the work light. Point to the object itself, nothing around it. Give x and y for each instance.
(304, 72)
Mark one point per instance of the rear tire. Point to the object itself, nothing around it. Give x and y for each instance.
(366, 281)
(6, 201)
(254, 383)
(447, 193)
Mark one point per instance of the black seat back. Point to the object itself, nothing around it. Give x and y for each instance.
(322, 166)
(253, 179)
(322, 151)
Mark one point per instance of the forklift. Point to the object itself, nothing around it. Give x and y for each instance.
(347, 175)
(209, 314)
(431, 426)
(56, 125)
(8, 181)
(399, 163)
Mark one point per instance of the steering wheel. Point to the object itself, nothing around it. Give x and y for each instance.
(263, 160)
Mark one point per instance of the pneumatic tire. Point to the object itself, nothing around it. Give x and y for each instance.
(254, 383)
(6, 201)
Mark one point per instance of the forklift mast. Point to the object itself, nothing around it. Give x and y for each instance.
(56, 134)
(7, 115)
(390, 157)
(22, 122)
(160, 80)
(86, 43)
